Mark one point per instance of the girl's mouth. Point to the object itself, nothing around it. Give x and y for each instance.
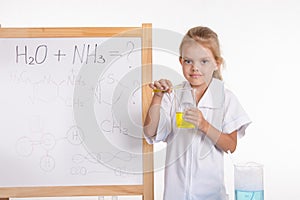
(195, 75)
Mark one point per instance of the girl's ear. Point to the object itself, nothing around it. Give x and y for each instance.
(217, 67)
(180, 59)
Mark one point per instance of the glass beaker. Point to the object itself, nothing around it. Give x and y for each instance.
(248, 181)
(184, 99)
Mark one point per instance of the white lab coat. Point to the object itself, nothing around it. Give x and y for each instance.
(194, 165)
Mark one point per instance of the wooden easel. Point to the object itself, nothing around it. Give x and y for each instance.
(147, 188)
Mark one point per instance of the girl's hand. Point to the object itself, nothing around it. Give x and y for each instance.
(195, 116)
(161, 86)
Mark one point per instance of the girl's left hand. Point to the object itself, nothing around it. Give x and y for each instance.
(195, 116)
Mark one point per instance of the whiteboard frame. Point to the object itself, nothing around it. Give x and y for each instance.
(147, 188)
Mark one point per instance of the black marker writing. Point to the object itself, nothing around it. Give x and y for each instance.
(87, 54)
(39, 57)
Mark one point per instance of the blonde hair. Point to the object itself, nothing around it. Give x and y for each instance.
(209, 39)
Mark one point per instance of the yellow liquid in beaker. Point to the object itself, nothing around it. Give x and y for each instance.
(181, 123)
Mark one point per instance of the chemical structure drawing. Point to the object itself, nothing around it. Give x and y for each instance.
(47, 142)
(81, 169)
(46, 89)
(25, 146)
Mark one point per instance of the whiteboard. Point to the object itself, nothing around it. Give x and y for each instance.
(70, 111)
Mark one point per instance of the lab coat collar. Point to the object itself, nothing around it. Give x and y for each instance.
(213, 96)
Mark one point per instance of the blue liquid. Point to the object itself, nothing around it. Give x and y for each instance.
(249, 195)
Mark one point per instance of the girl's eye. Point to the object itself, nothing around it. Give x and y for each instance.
(204, 62)
(187, 61)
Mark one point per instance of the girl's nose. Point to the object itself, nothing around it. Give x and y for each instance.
(195, 69)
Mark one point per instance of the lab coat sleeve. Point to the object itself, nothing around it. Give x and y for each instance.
(164, 126)
(235, 117)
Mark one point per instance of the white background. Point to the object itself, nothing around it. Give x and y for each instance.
(259, 41)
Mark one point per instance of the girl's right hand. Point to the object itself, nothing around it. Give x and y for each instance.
(161, 86)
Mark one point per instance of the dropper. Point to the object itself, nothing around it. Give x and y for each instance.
(159, 90)
(165, 90)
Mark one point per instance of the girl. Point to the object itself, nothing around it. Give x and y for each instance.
(194, 157)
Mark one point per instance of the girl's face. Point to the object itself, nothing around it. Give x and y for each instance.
(198, 64)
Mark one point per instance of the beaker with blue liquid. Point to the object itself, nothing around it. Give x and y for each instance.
(248, 181)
